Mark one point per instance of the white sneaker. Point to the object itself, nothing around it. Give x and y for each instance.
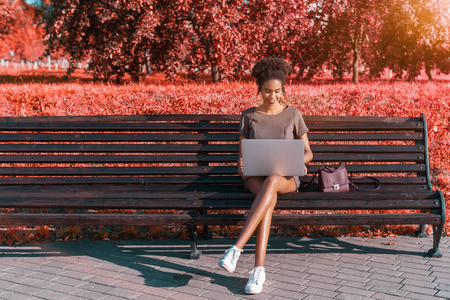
(230, 258)
(256, 281)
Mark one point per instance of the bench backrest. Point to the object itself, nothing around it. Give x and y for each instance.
(198, 149)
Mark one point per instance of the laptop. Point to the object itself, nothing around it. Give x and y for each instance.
(264, 157)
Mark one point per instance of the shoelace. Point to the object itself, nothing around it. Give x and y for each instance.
(254, 275)
(234, 253)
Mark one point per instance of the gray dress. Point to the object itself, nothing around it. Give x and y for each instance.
(288, 124)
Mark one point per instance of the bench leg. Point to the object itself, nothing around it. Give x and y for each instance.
(437, 234)
(422, 233)
(195, 253)
(206, 233)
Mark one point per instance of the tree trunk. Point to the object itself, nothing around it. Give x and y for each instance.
(148, 63)
(215, 74)
(429, 71)
(355, 65)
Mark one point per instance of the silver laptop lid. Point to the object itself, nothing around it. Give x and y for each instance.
(264, 157)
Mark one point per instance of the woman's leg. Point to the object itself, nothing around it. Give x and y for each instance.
(265, 199)
(262, 236)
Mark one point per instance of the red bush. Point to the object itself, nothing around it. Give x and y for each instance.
(398, 99)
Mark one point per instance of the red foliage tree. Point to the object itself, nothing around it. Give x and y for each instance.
(24, 40)
(276, 29)
(200, 36)
(114, 35)
(6, 18)
(224, 37)
(416, 33)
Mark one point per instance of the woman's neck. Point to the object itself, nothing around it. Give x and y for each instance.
(273, 109)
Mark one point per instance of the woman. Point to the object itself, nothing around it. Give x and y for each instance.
(270, 120)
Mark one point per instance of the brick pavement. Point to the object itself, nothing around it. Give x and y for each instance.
(297, 268)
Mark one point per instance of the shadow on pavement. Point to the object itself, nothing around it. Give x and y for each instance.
(166, 263)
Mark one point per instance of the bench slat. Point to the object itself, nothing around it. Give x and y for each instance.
(142, 137)
(203, 220)
(189, 158)
(111, 158)
(130, 118)
(148, 182)
(216, 204)
(193, 148)
(342, 136)
(93, 193)
(196, 126)
(173, 170)
(116, 137)
(195, 117)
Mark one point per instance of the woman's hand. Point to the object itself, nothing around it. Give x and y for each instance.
(306, 170)
(241, 171)
(240, 166)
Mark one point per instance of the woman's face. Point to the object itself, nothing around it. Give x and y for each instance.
(272, 91)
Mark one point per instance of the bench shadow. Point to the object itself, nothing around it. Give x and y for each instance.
(166, 263)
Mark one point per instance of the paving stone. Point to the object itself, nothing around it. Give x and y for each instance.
(76, 275)
(162, 292)
(345, 276)
(345, 296)
(95, 287)
(355, 284)
(391, 290)
(440, 269)
(319, 278)
(421, 297)
(25, 289)
(72, 297)
(290, 286)
(387, 278)
(123, 293)
(354, 272)
(72, 282)
(324, 285)
(378, 265)
(89, 294)
(443, 294)
(419, 290)
(290, 273)
(386, 272)
(51, 295)
(17, 296)
(414, 265)
(419, 277)
(443, 287)
(189, 290)
(149, 297)
(320, 292)
(355, 291)
(414, 271)
(285, 294)
(321, 272)
(420, 283)
(316, 297)
(386, 297)
(355, 266)
(101, 280)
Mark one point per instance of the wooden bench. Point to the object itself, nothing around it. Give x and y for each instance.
(186, 164)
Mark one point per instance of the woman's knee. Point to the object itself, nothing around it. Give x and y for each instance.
(274, 180)
(280, 184)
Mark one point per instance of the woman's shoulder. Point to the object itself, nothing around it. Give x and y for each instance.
(248, 111)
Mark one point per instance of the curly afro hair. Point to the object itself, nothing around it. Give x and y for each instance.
(271, 68)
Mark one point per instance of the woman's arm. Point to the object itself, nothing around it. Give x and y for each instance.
(239, 162)
(308, 152)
